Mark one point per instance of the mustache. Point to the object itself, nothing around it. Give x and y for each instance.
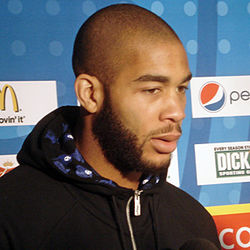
(167, 129)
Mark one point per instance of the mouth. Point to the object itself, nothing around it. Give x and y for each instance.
(165, 144)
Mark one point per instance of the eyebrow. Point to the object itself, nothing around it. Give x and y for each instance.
(159, 78)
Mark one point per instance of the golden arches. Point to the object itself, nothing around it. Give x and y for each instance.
(3, 97)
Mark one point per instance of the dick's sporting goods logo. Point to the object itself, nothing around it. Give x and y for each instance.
(218, 163)
(212, 97)
(232, 163)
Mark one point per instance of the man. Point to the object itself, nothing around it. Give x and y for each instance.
(94, 177)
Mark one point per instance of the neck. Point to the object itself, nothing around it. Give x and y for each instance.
(91, 151)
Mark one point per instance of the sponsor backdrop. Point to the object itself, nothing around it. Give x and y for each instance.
(212, 162)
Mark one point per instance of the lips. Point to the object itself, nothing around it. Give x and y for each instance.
(165, 144)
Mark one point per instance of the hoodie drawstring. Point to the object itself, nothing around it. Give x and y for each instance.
(119, 223)
(130, 224)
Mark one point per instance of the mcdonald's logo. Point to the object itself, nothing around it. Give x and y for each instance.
(3, 98)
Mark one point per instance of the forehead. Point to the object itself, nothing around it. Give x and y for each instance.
(154, 57)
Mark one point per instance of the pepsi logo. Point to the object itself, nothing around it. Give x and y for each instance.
(212, 97)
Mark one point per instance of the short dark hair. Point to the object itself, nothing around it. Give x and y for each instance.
(104, 37)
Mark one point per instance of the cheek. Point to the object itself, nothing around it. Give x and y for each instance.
(134, 117)
(134, 113)
(181, 100)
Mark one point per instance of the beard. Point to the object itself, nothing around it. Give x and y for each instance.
(120, 145)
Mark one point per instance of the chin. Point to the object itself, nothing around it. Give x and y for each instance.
(155, 170)
(156, 167)
(158, 159)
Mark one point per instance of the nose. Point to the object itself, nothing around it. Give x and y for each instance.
(173, 107)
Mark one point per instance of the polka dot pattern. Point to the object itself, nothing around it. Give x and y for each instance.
(224, 46)
(18, 48)
(157, 7)
(15, 7)
(192, 47)
(55, 48)
(248, 8)
(52, 7)
(222, 8)
(88, 8)
(190, 8)
(229, 122)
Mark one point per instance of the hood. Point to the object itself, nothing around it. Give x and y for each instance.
(50, 147)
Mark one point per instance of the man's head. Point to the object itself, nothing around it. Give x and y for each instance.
(104, 41)
(132, 72)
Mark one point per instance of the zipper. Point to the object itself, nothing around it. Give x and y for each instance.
(137, 212)
(137, 202)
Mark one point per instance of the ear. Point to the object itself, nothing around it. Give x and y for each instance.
(89, 92)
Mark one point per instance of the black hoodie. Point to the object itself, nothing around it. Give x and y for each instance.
(55, 200)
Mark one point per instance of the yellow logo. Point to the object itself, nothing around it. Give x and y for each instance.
(3, 98)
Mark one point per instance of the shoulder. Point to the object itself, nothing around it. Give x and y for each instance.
(180, 198)
(31, 203)
(28, 195)
(181, 210)
(179, 201)
(30, 187)
(26, 178)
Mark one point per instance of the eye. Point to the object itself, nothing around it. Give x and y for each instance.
(152, 91)
(182, 89)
